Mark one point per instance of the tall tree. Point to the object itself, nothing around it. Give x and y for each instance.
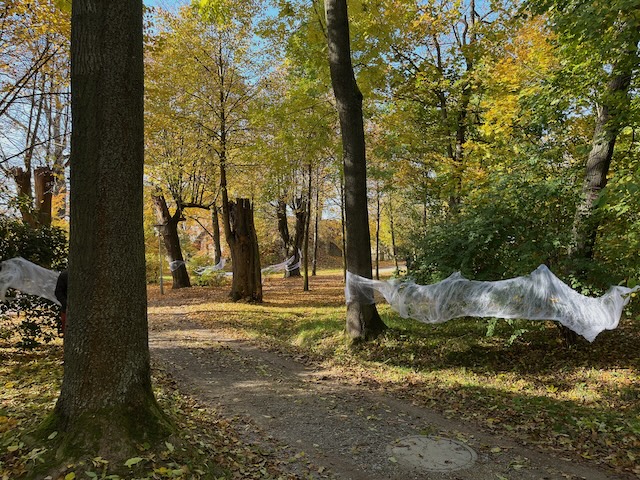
(34, 104)
(106, 402)
(363, 320)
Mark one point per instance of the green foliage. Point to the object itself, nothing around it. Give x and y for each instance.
(44, 246)
(30, 319)
(209, 277)
(509, 229)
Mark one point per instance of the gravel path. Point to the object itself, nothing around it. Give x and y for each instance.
(325, 428)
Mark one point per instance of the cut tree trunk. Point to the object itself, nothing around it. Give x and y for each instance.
(247, 277)
(44, 184)
(22, 178)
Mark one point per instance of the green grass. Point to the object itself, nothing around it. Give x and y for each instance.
(583, 400)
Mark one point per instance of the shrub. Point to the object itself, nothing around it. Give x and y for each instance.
(33, 320)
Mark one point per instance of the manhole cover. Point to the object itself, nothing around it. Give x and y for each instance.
(432, 453)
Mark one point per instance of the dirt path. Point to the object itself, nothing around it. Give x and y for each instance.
(327, 429)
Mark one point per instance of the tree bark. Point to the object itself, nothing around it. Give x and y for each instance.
(168, 227)
(607, 127)
(299, 208)
(44, 184)
(247, 277)
(363, 320)
(215, 226)
(106, 403)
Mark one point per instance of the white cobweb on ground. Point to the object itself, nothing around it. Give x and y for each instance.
(538, 296)
(29, 278)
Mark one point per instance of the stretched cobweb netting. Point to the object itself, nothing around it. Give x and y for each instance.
(211, 268)
(289, 265)
(538, 296)
(29, 278)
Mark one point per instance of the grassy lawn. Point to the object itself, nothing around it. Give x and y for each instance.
(582, 400)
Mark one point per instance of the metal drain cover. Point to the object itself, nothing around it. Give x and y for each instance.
(434, 454)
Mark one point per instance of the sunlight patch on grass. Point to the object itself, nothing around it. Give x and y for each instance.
(583, 399)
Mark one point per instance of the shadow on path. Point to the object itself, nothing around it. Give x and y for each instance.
(337, 431)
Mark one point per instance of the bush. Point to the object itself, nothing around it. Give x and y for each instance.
(210, 278)
(32, 319)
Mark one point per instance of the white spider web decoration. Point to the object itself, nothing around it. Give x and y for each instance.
(538, 296)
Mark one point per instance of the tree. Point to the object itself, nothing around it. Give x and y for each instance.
(34, 105)
(168, 227)
(106, 403)
(243, 242)
(363, 320)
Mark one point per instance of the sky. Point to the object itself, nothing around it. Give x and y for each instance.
(166, 4)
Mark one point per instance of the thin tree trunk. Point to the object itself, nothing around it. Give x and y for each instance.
(377, 230)
(215, 226)
(44, 184)
(307, 225)
(168, 227)
(283, 226)
(318, 214)
(607, 127)
(393, 235)
(363, 320)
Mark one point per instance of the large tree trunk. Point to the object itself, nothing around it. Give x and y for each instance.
(343, 229)
(168, 227)
(106, 403)
(363, 320)
(247, 277)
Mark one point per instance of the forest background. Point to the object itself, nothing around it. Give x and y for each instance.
(499, 136)
(480, 119)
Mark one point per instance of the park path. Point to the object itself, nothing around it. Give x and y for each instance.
(326, 428)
